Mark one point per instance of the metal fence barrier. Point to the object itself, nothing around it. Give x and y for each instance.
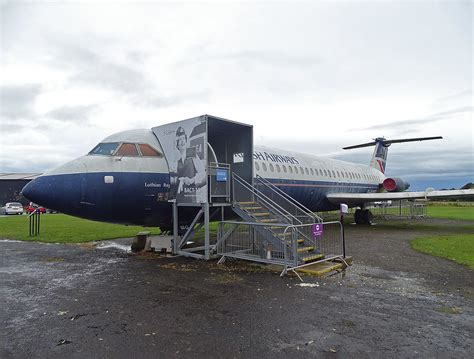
(400, 209)
(280, 243)
(250, 241)
(35, 221)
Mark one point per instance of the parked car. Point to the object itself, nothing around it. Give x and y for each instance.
(31, 208)
(12, 208)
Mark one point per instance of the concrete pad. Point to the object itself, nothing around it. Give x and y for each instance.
(159, 243)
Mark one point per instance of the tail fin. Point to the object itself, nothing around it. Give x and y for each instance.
(379, 157)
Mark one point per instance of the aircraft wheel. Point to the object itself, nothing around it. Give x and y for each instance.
(367, 216)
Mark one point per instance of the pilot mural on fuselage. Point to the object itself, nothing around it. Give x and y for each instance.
(183, 145)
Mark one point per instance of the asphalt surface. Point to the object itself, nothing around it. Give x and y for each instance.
(89, 302)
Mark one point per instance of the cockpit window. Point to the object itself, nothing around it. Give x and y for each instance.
(147, 150)
(106, 149)
(127, 149)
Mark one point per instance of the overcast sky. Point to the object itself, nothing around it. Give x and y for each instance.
(311, 77)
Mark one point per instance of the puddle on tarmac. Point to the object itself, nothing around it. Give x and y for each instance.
(113, 245)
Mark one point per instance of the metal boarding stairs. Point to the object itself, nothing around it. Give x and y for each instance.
(276, 227)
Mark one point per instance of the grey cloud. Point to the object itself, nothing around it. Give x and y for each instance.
(265, 57)
(72, 113)
(409, 164)
(89, 68)
(34, 163)
(105, 74)
(152, 100)
(278, 58)
(408, 124)
(17, 101)
(11, 127)
(457, 96)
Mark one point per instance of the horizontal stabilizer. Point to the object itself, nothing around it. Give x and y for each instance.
(387, 143)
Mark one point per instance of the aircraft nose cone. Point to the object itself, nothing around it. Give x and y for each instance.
(37, 191)
(61, 193)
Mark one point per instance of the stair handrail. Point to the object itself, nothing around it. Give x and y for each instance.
(272, 204)
(289, 199)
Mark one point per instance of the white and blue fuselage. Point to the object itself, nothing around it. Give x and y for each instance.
(126, 179)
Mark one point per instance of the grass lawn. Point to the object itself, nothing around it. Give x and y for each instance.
(451, 212)
(60, 228)
(458, 248)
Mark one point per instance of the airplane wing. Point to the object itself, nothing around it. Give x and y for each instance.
(353, 199)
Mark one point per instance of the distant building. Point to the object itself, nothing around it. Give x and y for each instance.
(11, 185)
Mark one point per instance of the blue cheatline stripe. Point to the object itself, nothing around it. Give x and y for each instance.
(321, 184)
(312, 194)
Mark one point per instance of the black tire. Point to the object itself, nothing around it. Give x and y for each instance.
(367, 216)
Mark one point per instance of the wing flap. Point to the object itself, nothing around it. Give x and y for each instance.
(353, 199)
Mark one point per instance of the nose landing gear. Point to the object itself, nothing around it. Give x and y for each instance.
(363, 216)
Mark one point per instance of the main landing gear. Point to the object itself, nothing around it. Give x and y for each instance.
(363, 216)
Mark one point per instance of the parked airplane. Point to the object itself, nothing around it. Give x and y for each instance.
(126, 179)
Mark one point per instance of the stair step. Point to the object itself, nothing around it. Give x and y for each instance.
(299, 241)
(251, 208)
(305, 249)
(261, 214)
(269, 220)
(313, 257)
(246, 203)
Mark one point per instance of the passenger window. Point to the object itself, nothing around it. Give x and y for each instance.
(257, 167)
(264, 166)
(106, 149)
(302, 170)
(338, 174)
(278, 168)
(127, 149)
(148, 151)
(284, 168)
(271, 167)
(325, 173)
(321, 172)
(312, 172)
(290, 169)
(306, 170)
(334, 174)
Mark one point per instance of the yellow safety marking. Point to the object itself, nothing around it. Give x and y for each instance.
(263, 214)
(312, 258)
(269, 220)
(305, 249)
(319, 269)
